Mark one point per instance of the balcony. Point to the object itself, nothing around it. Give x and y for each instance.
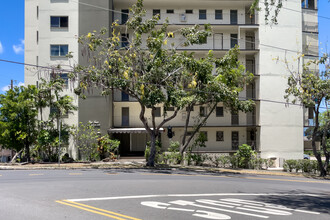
(222, 17)
(311, 50)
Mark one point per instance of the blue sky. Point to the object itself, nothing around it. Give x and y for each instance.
(12, 38)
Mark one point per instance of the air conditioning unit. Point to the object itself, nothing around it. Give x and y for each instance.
(183, 17)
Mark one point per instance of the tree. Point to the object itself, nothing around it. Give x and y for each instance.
(149, 69)
(50, 96)
(210, 89)
(312, 88)
(18, 119)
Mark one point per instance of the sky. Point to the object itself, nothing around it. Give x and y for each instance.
(12, 39)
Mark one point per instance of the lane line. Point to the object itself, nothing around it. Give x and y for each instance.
(90, 210)
(102, 210)
(191, 195)
(255, 178)
(36, 174)
(75, 174)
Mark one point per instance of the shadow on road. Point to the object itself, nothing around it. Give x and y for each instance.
(297, 201)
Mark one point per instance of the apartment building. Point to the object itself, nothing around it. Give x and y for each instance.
(274, 129)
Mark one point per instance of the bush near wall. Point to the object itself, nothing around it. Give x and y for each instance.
(303, 165)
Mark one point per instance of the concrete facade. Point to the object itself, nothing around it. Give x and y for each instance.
(274, 129)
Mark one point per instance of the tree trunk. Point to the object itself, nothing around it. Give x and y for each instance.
(323, 172)
(15, 156)
(152, 155)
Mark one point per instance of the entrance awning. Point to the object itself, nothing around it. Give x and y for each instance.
(130, 130)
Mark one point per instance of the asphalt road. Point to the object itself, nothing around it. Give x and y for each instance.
(150, 194)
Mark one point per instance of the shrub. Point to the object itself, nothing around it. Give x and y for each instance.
(158, 151)
(234, 161)
(173, 156)
(290, 165)
(244, 155)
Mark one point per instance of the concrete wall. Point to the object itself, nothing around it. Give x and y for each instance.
(281, 133)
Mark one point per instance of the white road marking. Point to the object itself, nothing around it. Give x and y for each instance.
(157, 205)
(309, 212)
(211, 215)
(178, 209)
(264, 210)
(191, 195)
(184, 203)
(213, 202)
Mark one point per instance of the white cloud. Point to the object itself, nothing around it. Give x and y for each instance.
(1, 48)
(19, 48)
(7, 87)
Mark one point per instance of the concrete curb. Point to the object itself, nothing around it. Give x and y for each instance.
(141, 165)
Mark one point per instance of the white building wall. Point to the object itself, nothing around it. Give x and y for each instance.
(281, 133)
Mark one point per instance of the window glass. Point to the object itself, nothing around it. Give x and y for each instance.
(189, 11)
(218, 14)
(54, 50)
(59, 50)
(157, 112)
(64, 21)
(170, 11)
(233, 40)
(202, 14)
(64, 50)
(219, 111)
(124, 16)
(124, 96)
(156, 12)
(59, 22)
(219, 136)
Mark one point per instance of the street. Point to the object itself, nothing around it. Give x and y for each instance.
(159, 194)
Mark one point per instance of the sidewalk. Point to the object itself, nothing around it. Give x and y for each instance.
(139, 163)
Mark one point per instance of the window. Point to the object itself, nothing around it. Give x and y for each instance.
(234, 118)
(219, 111)
(233, 40)
(124, 16)
(233, 17)
(59, 22)
(156, 12)
(125, 116)
(169, 109)
(65, 77)
(202, 14)
(191, 108)
(219, 136)
(202, 111)
(189, 11)
(170, 11)
(234, 140)
(218, 14)
(310, 4)
(59, 50)
(124, 40)
(157, 112)
(124, 96)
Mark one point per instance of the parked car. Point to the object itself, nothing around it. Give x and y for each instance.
(307, 157)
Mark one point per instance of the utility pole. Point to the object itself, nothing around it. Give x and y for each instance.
(11, 87)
